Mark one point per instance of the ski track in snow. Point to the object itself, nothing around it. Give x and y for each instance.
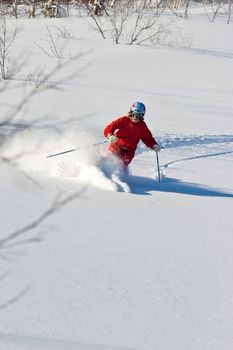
(167, 165)
(174, 141)
(170, 142)
(192, 148)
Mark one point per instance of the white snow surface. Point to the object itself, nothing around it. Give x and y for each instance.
(129, 263)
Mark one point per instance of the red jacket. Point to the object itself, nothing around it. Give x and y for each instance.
(129, 133)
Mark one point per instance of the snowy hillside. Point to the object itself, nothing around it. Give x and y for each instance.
(94, 260)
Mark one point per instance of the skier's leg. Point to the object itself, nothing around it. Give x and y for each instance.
(127, 157)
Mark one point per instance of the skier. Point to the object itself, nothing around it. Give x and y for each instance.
(125, 133)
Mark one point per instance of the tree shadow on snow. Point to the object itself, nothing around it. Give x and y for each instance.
(30, 341)
(143, 185)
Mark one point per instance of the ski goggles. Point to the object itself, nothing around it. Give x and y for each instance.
(136, 116)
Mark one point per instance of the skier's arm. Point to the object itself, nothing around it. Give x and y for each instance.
(148, 139)
(109, 130)
(112, 127)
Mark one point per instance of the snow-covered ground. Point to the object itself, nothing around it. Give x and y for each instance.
(128, 263)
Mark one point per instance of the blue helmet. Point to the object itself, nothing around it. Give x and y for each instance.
(138, 108)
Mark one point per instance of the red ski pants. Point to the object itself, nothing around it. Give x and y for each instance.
(125, 155)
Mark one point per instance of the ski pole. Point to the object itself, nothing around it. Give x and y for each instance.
(74, 149)
(157, 158)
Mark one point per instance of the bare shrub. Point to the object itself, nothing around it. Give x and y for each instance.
(40, 79)
(137, 23)
(64, 33)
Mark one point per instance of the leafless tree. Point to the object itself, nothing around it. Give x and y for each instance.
(179, 7)
(146, 25)
(215, 7)
(118, 19)
(6, 42)
(187, 4)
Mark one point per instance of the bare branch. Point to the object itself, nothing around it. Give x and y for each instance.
(99, 27)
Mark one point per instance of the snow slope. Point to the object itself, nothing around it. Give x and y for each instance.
(128, 263)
